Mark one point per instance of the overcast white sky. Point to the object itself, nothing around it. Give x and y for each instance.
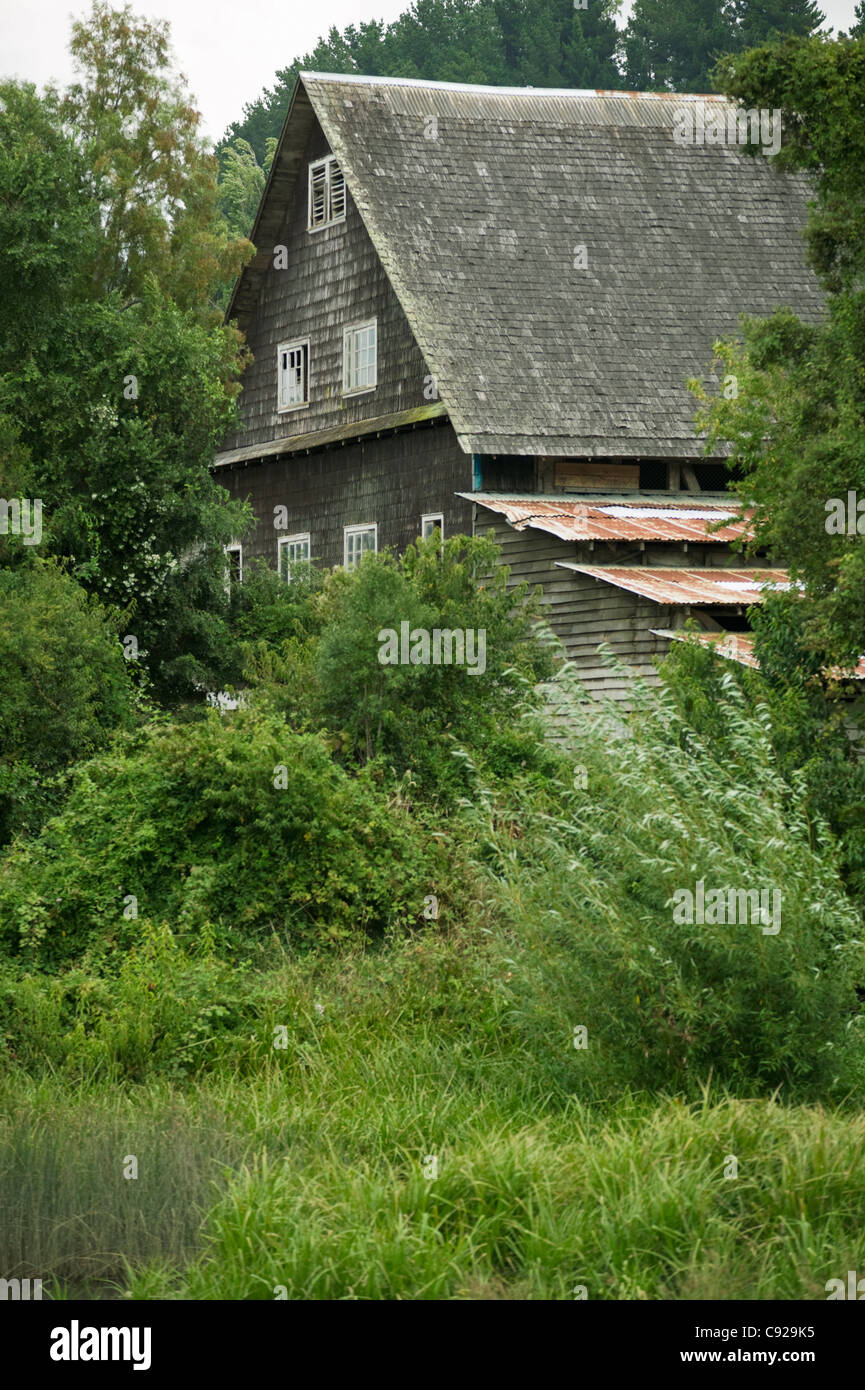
(228, 50)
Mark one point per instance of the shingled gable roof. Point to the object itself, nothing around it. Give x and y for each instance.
(476, 216)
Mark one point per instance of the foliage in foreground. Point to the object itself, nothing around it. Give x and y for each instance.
(304, 1167)
(57, 645)
(589, 883)
(630, 1206)
(232, 825)
(246, 1189)
(301, 1167)
(578, 871)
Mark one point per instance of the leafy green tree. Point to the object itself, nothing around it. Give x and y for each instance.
(818, 85)
(64, 687)
(118, 406)
(797, 424)
(154, 178)
(674, 45)
(241, 183)
(50, 227)
(414, 715)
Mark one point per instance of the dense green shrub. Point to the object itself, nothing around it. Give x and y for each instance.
(590, 886)
(64, 687)
(264, 608)
(809, 724)
(232, 822)
(311, 649)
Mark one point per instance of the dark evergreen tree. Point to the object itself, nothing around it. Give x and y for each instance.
(759, 22)
(673, 45)
(537, 43)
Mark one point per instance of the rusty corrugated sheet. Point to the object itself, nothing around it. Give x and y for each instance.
(600, 520)
(736, 646)
(691, 587)
(739, 646)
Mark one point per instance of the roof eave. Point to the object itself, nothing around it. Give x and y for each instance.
(254, 270)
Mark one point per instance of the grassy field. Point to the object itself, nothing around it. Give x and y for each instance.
(308, 1175)
(413, 1115)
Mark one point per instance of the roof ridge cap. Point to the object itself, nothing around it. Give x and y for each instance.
(361, 79)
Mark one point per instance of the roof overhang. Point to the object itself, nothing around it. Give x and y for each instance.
(691, 588)
(642, 518)
(341, 434)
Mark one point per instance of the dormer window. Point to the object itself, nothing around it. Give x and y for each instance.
(326, 193)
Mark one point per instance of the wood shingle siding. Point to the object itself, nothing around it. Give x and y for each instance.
(333, 279)
(504, 360)
(392, 481)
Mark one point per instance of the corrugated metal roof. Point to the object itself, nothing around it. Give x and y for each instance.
(739, 646)
(736, 646)
(598, 520)
(694, 588)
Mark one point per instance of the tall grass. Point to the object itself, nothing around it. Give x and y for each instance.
(632, 1205)
(703, 1145)
(587, 889)
(68, 1215)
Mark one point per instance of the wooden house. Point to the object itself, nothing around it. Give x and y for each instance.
(479, 307)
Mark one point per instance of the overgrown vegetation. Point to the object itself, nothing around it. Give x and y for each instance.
(381, 986)
(449, 1036)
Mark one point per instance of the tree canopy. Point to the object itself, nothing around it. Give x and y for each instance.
(797, 422)
(667, 45)
(114, 367)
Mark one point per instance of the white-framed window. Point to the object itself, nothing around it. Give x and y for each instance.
(326, 193)
(429, 521)
(293, 550)
(292, 370)
(234, 574)
(359, 354)
(357, 541)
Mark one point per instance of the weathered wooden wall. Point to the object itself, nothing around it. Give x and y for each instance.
(584, 612)
(334, 278)
(392, 481)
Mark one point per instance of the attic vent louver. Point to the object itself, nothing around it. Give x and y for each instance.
(337, 192)
(326, 193)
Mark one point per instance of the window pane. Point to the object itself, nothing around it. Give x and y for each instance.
(360, 358)
(294, 376)
(292, 552)
(357, 543)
